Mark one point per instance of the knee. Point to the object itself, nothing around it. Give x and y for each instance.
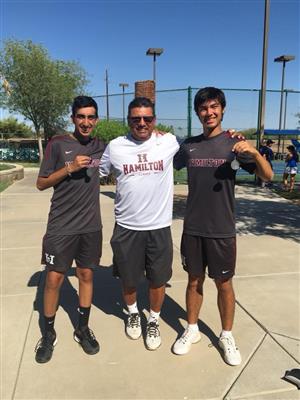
(224, 286)
(84, 275)
(54, 281)
(129, 290)
(196, 284)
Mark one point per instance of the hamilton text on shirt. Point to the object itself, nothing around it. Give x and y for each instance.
(143, 165)
(206, 162)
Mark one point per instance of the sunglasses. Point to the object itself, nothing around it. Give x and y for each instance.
(137, 120)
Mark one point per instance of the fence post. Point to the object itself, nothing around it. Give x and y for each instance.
(259, 133)
(189, 112)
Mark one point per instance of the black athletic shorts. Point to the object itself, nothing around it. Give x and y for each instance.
(142, 253)
(217, 254)
(59, 251)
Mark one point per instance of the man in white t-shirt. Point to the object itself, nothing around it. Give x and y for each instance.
(142, 163)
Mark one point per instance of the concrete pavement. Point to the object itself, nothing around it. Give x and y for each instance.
(266, 323)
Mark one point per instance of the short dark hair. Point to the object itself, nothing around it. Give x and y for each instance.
(291, 147)
(209, 93)
(138, 102)
(82, 102)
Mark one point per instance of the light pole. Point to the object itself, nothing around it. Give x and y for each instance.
(123, 86)
(262, 92)
(154, 52)
(283, 59)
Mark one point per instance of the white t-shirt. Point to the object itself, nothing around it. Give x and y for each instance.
(144, 175)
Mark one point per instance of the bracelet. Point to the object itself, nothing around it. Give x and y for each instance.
(68, 170)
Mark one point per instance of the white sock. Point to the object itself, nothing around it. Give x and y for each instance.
(226, 333)
(193, 327)
(153, 316)
(132, 308)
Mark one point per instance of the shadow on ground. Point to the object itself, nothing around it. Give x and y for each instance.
(108, 298)
(260, 217)
(111, 195)
(267, 217)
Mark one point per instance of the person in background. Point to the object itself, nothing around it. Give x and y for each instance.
(267, 152)
(291, 169)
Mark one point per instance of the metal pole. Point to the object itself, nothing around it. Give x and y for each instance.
(123, 96)
(264, 71)
(154, 72)
(258, 143)
(281, 104)
(284, 120)
(189, 112)
(123, 85)
(285, 108)
(281, 94)
(107, 103)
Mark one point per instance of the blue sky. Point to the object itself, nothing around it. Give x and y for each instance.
(206, 43)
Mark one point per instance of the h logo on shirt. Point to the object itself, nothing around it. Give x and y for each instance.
(142, 158)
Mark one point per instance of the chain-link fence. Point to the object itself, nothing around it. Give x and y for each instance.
(174, 108)
(18, 152)
(180, 177)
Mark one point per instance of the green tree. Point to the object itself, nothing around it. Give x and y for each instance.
(249, 133)
(164, 128)
(109, 130)
(40, 88)
(10, 127)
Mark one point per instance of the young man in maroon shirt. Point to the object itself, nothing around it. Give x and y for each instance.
(209, 238)
(74, 231)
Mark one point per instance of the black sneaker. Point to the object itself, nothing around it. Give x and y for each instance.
(45, 347)
(86, 338)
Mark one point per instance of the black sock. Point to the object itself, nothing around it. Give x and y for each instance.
(84, 314)
(49, 323)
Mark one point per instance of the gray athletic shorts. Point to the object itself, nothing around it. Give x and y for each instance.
(218, 255)
(142, 253)
(59, 251)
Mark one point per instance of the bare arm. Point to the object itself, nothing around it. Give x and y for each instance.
(79, 162)
(105, 163)
(263, 168)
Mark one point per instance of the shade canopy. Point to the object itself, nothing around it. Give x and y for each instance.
(282, 132)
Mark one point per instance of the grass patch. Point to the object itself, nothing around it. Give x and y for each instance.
(4, 167)
(4, 185)
(28, 164)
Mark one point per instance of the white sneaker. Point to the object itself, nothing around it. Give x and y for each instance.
(133, 326)
(184, 343)
(232, 354)
(153, 339)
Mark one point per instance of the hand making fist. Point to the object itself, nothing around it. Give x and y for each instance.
(79, 163)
